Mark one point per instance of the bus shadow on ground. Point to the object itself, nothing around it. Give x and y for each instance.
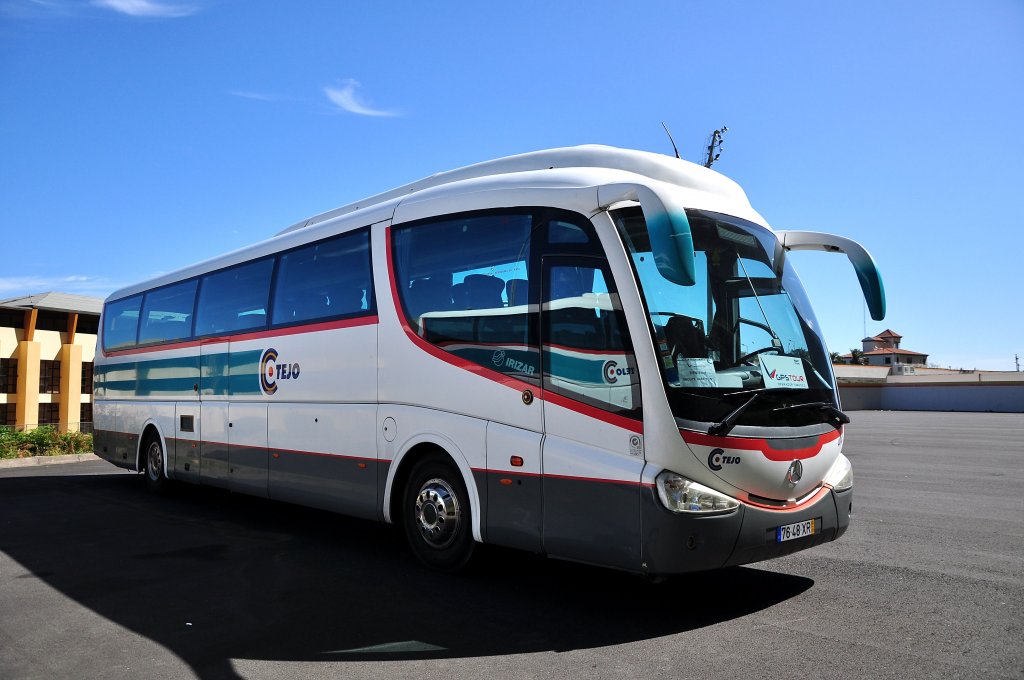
(214, 576)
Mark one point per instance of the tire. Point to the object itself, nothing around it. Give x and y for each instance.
(436, 515)
(153, 463)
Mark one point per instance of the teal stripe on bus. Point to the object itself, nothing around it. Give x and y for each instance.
(234, 373)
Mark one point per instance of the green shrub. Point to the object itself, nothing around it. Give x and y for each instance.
(42, 441)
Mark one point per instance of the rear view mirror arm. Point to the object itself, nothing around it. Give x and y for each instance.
(863, 264)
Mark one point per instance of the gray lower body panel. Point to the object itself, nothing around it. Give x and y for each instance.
(118, 448)
(590, 521)
(514, 509)
(338, 483)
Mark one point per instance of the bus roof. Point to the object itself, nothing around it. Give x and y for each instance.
(578, 166)
(590, 156)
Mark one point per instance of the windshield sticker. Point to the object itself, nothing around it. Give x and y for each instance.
(696, 372)
(785, 372)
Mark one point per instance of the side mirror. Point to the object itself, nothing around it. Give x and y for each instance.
(667, 226)
(867, 271)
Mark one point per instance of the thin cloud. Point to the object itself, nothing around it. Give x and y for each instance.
(258, 96)
(16, 286)
(346, 98)
(31, 9)
(147, 8)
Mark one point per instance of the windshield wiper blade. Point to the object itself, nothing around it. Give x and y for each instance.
(824, 406)
(759, 390)
(723, 428)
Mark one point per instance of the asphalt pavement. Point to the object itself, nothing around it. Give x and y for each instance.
(101, 579)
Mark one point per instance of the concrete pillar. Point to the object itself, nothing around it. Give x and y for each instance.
(26, 410)
(70, 387)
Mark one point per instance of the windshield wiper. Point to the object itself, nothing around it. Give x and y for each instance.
(760, 390)
(723, 428)
(824, 406)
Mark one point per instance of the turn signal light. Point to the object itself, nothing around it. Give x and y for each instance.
(516, 461)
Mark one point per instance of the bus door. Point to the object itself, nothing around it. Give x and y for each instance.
(592, 447)
(514, 487)
(214, 383)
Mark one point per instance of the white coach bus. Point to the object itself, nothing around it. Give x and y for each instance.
(591, 353)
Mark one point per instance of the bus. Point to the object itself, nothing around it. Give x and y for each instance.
(595, 354)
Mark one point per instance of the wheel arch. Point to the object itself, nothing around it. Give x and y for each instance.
(416, 449)
(151, 427)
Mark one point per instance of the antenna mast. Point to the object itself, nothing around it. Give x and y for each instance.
(715, 146)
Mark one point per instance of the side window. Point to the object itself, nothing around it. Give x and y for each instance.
(325, 280)
(464, 285)
(121, 323)
(235, 299)
(167, 313)
(587, 352)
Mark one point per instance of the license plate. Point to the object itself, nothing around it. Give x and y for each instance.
(788, 532)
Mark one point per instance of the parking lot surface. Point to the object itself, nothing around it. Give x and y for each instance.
(101, 579)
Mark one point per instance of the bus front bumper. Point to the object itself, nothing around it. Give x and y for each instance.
(678, 543)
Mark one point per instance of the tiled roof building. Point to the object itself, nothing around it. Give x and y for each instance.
(884, 350)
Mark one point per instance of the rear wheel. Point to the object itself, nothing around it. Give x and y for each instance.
(153, 463)
(436, 515)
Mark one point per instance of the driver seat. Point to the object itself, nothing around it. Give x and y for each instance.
(685, 336)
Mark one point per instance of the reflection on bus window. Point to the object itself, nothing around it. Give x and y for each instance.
(587, 353)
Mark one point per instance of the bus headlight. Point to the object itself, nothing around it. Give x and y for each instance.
(840, 477)
(680, 494)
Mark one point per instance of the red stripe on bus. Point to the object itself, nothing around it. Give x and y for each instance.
(824, 490)
(762, 445)
(500, 378)
(573, 478)
(254, 335)
(277, 450)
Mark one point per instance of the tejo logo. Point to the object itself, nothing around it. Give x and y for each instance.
(271, 370)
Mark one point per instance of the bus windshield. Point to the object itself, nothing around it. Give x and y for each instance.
(746, 325)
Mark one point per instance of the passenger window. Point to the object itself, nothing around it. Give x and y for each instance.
(587, 353)
(167, 313)
(234, 300)
(464, 285)
(121, 323)
(325, 280)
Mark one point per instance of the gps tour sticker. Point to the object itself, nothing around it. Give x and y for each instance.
(781, 371)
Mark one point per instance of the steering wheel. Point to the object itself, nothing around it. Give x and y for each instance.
(745, 359)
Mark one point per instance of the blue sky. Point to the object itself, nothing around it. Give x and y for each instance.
(138, 136)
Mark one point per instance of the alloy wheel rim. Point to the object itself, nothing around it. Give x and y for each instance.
(437, 514)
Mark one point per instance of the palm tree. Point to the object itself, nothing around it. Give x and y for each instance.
(836, 357)
(857, 357)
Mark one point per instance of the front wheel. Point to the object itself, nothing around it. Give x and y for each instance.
(436, 515)
(153, 464)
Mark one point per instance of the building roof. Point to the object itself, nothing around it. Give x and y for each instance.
(884, 351)
(56, 302)
(890, 350)
(885, 336)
